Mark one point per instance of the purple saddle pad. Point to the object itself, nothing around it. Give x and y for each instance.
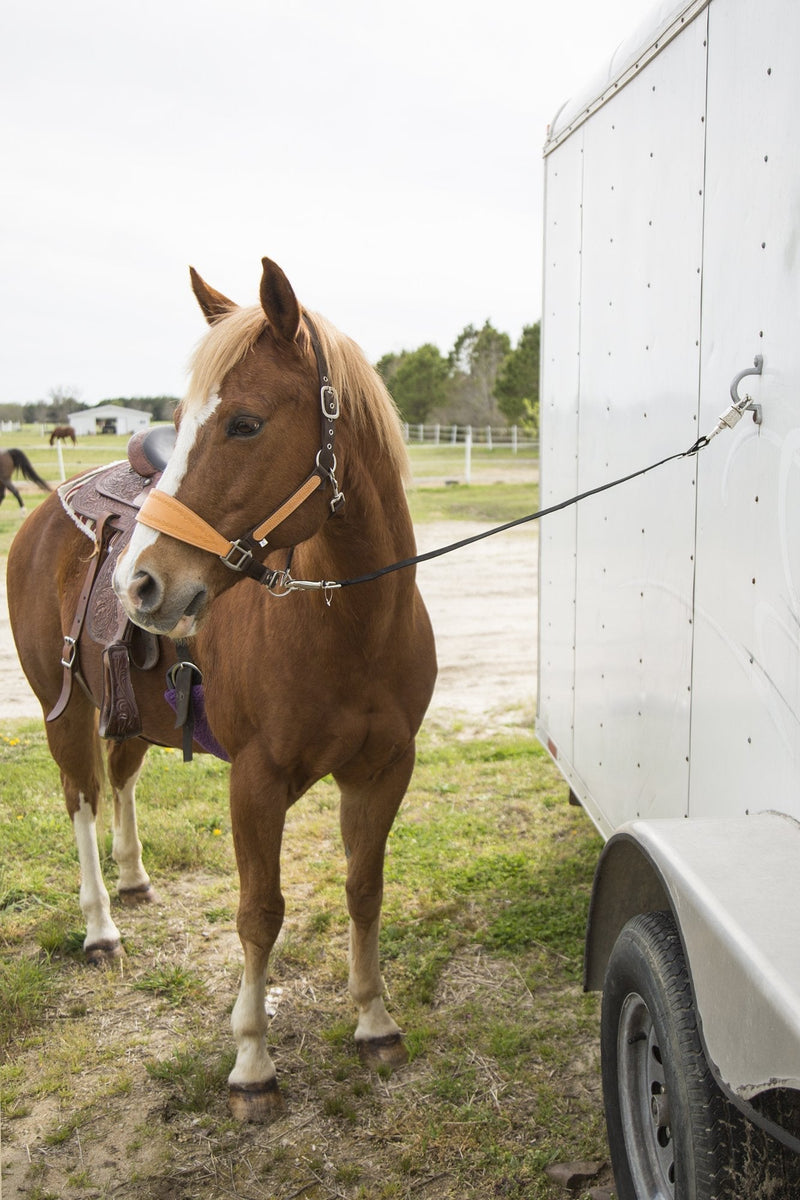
(201, 733)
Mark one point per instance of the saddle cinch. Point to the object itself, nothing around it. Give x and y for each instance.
(104, 504)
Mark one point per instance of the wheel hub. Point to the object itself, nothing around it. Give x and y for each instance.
(644, 1102)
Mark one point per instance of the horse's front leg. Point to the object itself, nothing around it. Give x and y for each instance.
(367, 813)
(257, 816)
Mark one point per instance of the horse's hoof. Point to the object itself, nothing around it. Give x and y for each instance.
(258, 1103)
(102, 954)
(380, 1052)
(144, 894)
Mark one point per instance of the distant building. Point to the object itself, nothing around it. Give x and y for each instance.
(108, 418)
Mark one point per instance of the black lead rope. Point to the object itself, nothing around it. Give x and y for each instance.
(543, 512)
(184, 675)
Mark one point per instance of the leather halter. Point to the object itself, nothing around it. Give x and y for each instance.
(163, 512)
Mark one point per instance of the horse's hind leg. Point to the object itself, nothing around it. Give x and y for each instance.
(75, 746)
(367, 812)
(124, 764)
(16, 493)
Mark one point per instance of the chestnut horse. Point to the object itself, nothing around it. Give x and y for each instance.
(61, 433)
(15, 460)
(320, 681)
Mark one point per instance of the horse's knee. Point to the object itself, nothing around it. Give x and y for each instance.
(364, 901)
(259, 926)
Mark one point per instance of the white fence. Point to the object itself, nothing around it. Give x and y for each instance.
(484, 437)
(510, 436)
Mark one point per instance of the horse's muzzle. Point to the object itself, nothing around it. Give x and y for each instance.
(147, 602)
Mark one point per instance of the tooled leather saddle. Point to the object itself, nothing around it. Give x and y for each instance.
(103, 504)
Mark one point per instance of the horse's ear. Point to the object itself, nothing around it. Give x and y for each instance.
(212, 302)
(279, 301)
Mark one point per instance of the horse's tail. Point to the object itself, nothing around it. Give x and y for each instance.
(22, 463)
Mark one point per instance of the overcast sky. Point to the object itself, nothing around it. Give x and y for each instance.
(388, 156)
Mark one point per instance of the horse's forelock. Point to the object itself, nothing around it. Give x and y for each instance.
(225, 344)
(366, 403)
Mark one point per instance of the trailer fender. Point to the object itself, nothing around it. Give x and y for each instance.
(732, 887)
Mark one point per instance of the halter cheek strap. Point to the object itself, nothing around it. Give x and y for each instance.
(164, 513)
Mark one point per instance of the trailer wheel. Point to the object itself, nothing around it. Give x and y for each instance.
(664, 1110)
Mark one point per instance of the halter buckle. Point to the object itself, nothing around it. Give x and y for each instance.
(241, 562)
(329, 399)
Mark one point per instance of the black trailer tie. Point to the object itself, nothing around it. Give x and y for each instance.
(284, 583)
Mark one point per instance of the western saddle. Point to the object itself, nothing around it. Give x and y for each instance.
(103, 504)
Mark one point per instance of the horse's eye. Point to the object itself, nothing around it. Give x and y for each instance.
(244, 427)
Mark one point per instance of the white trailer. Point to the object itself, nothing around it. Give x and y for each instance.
(669, 622)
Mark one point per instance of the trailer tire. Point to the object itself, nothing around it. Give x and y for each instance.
(667, 1119)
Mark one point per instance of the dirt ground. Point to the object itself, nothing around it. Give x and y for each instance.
(483, 604)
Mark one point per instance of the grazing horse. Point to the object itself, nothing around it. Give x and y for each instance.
(15, 460)
(323, 680)
(62, 432)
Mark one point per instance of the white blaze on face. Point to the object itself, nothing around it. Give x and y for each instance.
(170, 481)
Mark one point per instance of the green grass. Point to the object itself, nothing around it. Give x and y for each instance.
(27, 987)
(175, 983)
(444, 462)
(494, 503)
(487, 882)
(191, 1075)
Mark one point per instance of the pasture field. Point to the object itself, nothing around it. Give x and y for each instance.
(503, 485)
(112, 1083)
(430, 464)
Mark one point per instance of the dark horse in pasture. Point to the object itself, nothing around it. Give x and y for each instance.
(15, 460)
(61, 433)
(319, 681)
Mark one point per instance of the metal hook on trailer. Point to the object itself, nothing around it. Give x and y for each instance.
(743, 405)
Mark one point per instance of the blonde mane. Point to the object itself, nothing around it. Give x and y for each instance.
(366, 405)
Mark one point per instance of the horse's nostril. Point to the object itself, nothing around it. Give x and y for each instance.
(145, 592)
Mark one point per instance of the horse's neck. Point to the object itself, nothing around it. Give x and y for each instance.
(373, 530)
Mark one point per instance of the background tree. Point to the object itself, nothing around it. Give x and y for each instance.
(61, 402)
(417, 380)
(387, 367)
(35, 413)
(517, 384)
(161, 408)
(475, 361)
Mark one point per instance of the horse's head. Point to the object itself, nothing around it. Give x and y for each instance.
(253, 463)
